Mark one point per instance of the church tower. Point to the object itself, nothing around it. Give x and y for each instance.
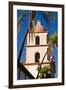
(36, 48)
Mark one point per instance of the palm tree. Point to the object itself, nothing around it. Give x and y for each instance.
(20, 19)
(53, 42)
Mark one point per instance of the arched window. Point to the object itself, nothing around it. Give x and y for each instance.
(37, 40)
(37, 56)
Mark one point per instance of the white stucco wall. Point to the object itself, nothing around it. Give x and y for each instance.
(30, 53)
(32, 49)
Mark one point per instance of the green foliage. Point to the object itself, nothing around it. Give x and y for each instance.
(55, 39)
(49, 38)
(52, 41)
(44, 72)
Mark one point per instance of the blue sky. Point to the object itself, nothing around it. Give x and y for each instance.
(51, 27)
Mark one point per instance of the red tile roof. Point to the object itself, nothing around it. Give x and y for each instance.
(39, 27)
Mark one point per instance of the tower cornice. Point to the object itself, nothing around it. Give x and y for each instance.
(37, 45)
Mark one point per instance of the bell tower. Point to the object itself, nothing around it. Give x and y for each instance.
(36, 48)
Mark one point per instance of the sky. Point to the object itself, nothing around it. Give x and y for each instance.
(49, 25)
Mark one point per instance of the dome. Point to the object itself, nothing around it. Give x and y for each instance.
(39, 27)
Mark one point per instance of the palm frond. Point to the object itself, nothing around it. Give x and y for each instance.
(55, 39)
(51, 15)
(20, 19)
(46, 19)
